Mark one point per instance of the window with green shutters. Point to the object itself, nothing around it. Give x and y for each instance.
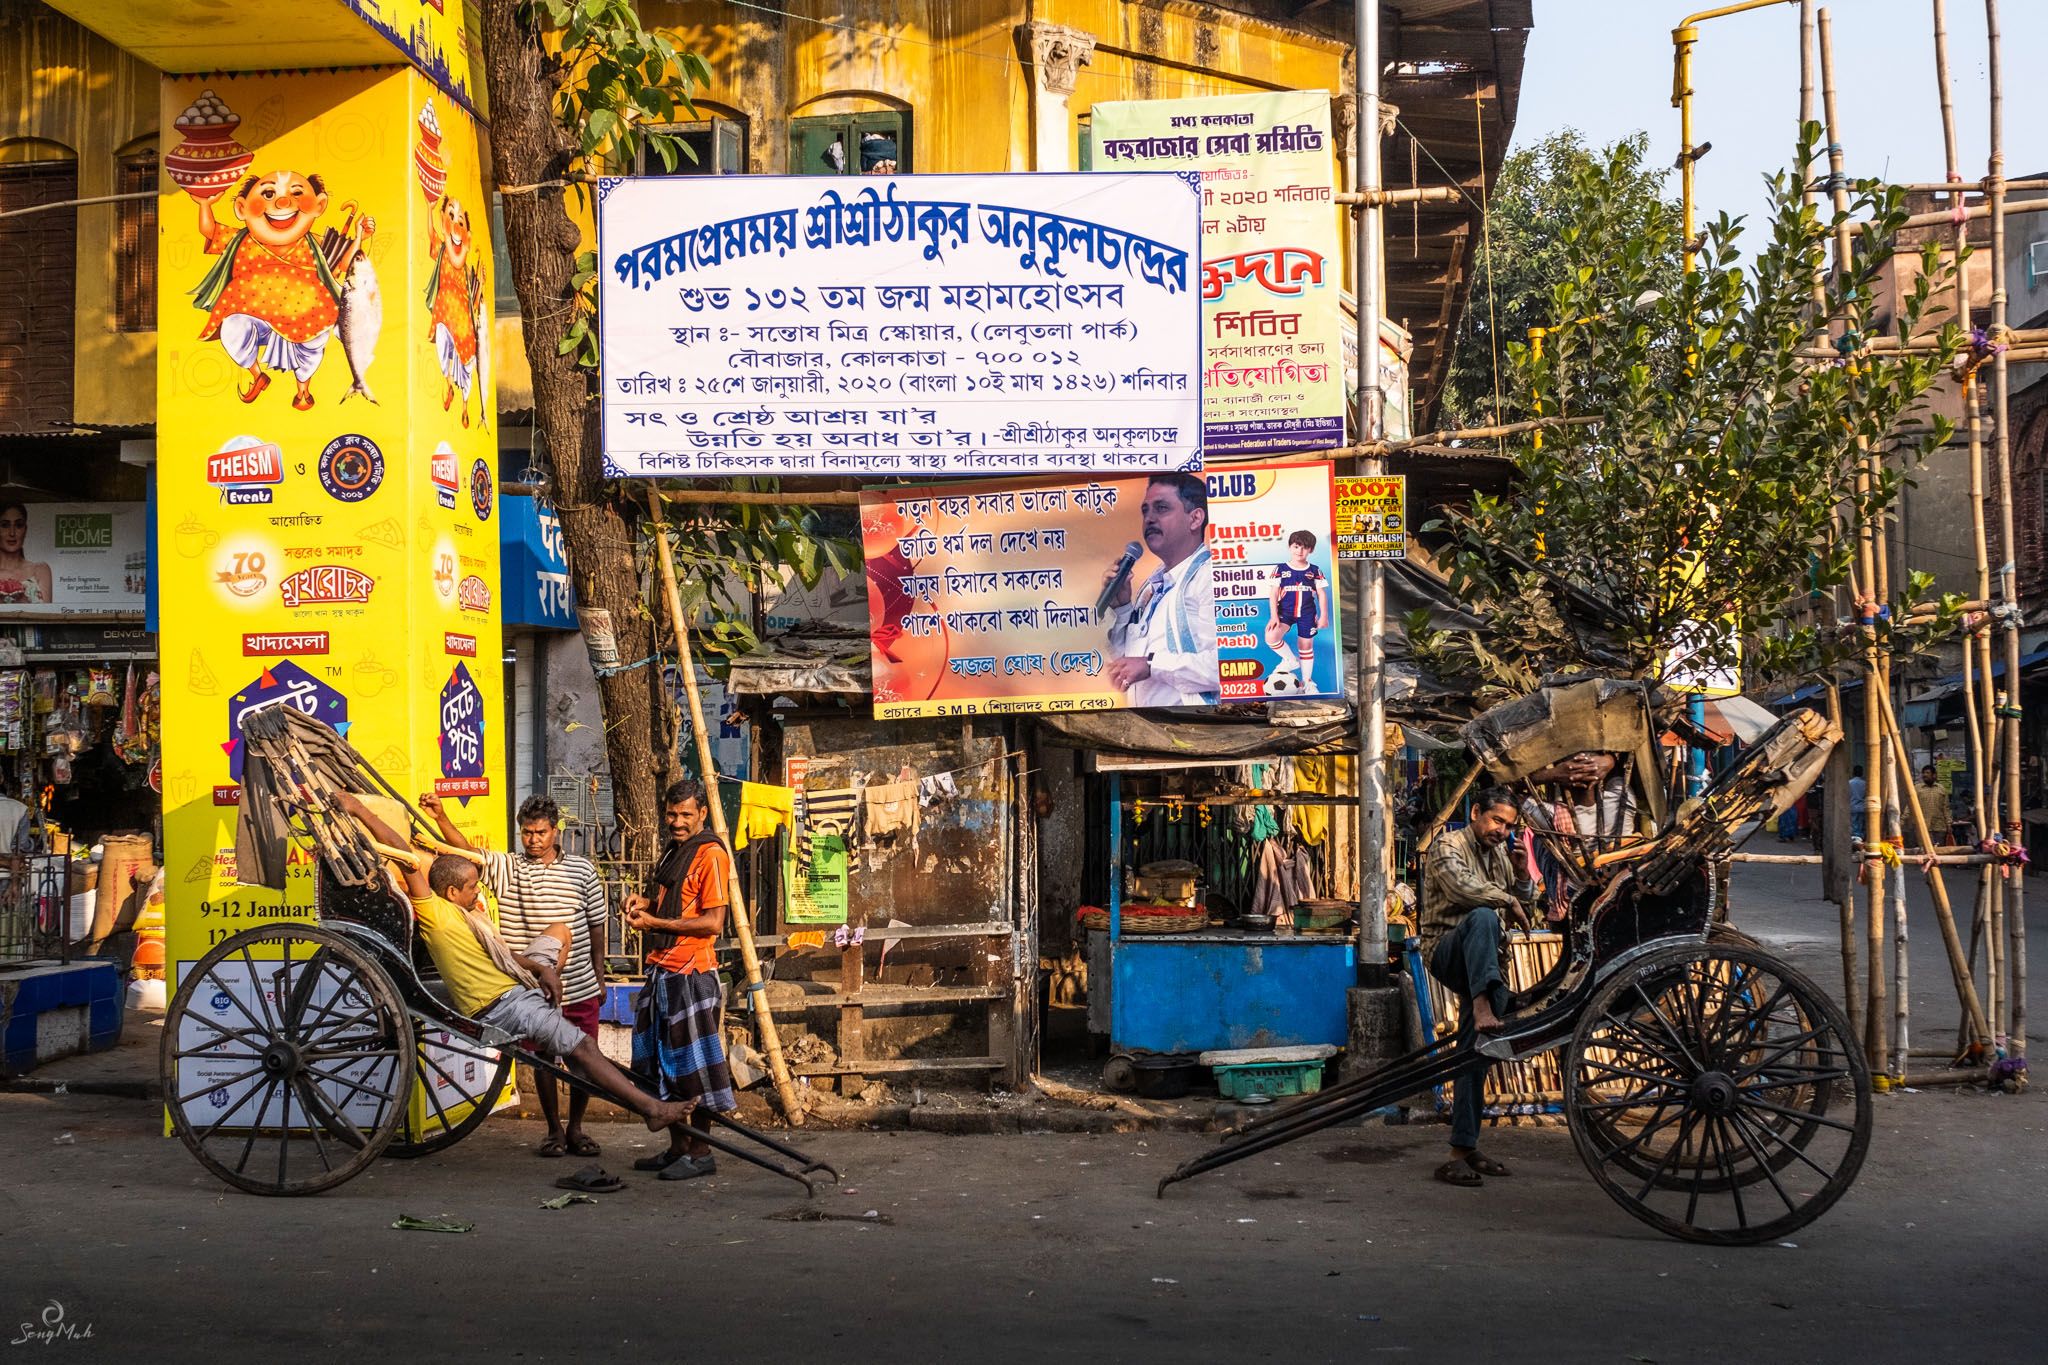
(832, 144)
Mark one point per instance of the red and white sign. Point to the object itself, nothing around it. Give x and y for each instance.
(325, 583)
(444, 469)
(229, 795)
(462, 786)
(474, 594)
(285, 643)
(250, 464)
(453, 642)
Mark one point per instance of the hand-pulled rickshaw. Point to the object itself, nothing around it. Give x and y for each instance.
(296, 1054)
(1713, 1091)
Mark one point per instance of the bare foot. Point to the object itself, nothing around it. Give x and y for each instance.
(669, 1113)
(1483, 1017)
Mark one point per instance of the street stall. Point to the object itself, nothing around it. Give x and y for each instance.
(80, 776)
(1223, 908)
(899, 891)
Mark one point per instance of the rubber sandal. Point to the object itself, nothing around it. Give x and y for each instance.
(591, 1179)
(689, 1168)
(553, 1147)
(583, 1144)
(1458, 1173)
(660, 1161)
(1486, 1165)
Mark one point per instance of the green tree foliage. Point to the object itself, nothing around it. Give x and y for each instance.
(621, 89)
(1720, 474)
(1512, 289)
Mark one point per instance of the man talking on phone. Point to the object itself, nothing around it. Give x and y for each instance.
(1163, 642)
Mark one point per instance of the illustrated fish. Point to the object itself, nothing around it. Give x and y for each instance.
(362, 318)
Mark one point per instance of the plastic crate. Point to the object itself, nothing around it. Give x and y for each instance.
(1270, 1078)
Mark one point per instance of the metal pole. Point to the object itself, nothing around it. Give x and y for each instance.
(1372, 604)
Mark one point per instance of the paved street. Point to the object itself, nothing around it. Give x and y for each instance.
(1025, 1248)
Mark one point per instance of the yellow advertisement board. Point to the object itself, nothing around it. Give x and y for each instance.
(325, 455)
(1372, 517)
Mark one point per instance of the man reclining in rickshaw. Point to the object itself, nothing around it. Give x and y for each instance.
(515, 993)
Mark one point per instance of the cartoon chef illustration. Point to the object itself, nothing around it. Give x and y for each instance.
(454, 301)
(273, 299)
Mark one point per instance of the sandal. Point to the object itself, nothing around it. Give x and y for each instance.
(583, 1144)
(1486, 1165)
(552, 1147)
(591, 1179)
(1456, 1172)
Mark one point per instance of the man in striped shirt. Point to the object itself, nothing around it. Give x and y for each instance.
(535, 889)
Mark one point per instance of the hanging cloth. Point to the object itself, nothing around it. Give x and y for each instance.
(1312, 774)
(763, 810)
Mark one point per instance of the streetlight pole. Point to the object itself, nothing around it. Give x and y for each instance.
(1372, 595)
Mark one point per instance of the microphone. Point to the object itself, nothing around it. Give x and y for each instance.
(1133, 552)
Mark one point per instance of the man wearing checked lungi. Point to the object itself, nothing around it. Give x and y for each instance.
(677, 1038)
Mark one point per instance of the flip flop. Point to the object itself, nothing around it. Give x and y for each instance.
(583, 1144)
(1486, 1165)
(591, 1179)
(553, 1147)
(1456, 1172)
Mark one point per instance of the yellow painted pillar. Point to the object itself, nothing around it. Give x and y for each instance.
(326, 455)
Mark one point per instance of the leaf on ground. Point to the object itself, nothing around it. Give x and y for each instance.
(407, 1223)
(563, 1201)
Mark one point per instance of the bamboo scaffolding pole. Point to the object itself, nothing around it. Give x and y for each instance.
(2009, 723)
(1845, 908)
(1951, 859)
(1868, 559)
(737, 913)
(1959, 966)
(1959, 185)
(1901, 1010)
(1936, 219)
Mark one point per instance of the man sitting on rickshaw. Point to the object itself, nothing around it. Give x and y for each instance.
(515, 993)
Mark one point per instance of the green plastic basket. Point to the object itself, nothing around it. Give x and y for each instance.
(1270, 1078)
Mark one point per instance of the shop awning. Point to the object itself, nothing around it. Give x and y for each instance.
(1193, 738)
(813, 662)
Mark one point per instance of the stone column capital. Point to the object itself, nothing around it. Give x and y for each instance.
(1055, 54)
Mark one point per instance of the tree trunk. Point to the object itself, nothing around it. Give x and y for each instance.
(528, 147)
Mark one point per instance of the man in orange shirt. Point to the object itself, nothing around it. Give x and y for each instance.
(677, 1022)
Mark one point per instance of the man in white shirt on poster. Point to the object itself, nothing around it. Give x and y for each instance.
(1163, 643)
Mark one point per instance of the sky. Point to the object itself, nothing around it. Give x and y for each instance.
(1604, 67)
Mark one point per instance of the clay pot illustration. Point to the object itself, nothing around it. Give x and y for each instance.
(426, 155)
(207, 160)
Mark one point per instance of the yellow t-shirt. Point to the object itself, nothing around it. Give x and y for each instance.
(472, 978)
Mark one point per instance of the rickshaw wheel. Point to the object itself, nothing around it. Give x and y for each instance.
(295, 1086)
(453, 1071)
(1704, 1089)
